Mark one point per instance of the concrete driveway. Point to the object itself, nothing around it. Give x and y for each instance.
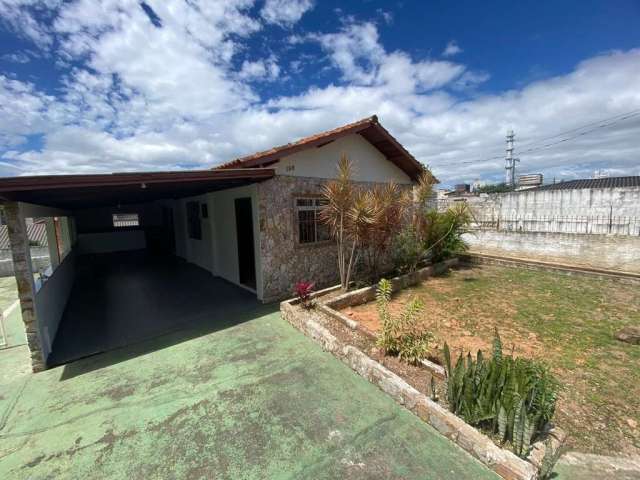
(252, 400)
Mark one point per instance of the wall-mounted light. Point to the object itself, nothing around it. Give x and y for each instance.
(143, 186)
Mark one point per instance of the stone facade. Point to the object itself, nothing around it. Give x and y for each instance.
(24, 278)
(283, 260)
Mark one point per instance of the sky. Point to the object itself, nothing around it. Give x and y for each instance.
(122, 85)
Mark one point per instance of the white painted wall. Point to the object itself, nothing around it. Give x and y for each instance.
(105, 242)
(368, 163)
(218, 249)
(623, 202)
(195, 251)
(52, 297)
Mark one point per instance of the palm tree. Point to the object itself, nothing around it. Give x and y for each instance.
(348, 215)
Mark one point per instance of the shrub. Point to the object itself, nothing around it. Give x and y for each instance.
(443, 231)
(386, 203)
(303, 291)
(408, 251)
(511, 397)
(400, 335)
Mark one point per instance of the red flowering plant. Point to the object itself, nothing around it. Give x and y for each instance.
(303, 291)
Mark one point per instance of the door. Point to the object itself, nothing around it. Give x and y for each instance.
(168, 230)
(244, 235)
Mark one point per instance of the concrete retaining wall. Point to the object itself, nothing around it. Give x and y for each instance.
(623, 202)
(595, 251)
(39, 260)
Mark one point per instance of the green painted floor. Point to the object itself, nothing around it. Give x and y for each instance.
(255, 400)
(8, 292)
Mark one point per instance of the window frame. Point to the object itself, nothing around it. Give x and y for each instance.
(118, 224)
(317, 203)
(194, 220)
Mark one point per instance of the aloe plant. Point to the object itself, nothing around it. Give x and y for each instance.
(511, 397)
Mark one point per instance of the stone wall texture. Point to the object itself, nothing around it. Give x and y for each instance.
(283, 260)
(595, 251)
(24, 277)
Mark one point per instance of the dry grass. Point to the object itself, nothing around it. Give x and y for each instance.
(566, 321)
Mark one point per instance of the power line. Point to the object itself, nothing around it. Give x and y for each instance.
(625, 116)
(535, 149)
(532, 142)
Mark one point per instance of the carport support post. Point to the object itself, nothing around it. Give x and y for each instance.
(21, 251)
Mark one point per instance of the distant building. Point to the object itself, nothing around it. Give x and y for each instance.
(530, 180)
(475, 186)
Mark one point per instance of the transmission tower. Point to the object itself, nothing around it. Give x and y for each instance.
(510, 167)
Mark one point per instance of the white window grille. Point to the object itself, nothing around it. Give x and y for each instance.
(125, 220)
(310, 228)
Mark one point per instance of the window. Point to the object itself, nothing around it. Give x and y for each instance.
(125, 220)
(310, 228)
(194, 227)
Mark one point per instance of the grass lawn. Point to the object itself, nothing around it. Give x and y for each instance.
(566, 321)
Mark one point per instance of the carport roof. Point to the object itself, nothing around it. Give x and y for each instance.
(94, 190)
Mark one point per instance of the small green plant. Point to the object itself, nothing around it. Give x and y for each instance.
(407, 250)
(511, 397)
(443, 231)
(400, 334)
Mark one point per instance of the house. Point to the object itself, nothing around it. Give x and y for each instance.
(250, 224)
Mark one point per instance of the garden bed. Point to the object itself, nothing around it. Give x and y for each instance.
(412, 386)
(567, 321)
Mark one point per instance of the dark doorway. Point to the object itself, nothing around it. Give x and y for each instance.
(244, 234)
(161, 238)
(167, 227)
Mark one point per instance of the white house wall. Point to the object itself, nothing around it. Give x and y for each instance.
(51, 298)
(369, 165)
(199, 252)
(218, 249)
(97, 234)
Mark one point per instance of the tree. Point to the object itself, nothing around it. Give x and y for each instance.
(494, 188)
(387, 204)
(348, 215)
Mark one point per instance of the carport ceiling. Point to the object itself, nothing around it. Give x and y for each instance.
(85, 191)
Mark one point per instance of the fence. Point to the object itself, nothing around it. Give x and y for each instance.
(589, 225)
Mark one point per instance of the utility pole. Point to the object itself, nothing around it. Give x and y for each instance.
(510, 167)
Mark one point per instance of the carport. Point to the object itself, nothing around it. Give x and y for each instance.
(132, 255)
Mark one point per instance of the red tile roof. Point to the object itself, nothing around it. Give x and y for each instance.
(369, 128)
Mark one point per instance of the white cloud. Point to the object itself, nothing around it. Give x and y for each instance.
(451, 49)
(18, 57)
(267, 70)
(285, 12)
(24, 111)
(357, 52)
(20, 17)
(141, 97)
(386, 16)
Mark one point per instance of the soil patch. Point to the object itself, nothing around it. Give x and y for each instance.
(567, 321)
